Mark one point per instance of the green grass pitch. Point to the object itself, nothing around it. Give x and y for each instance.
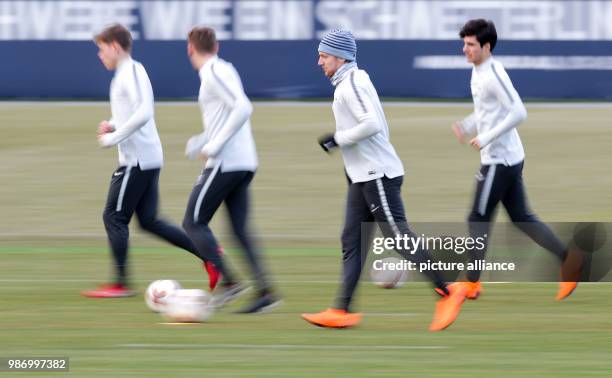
(52, 245)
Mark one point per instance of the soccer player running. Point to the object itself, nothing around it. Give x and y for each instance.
(375, 174)
(134, 185)
(498, 110)
(231, 161)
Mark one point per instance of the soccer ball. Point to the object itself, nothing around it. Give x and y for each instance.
(157, 293)
(189, 306)
(388, 278)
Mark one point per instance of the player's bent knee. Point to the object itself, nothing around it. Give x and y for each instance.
(350, 246)
(111, 217)
(188, 223)
(148, 224)
(474, 217)
(349, 240)
(524, 218)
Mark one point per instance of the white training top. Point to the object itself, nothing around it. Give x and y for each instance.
(498, 110)
(131, 97)
(227, 138)
(361, 130)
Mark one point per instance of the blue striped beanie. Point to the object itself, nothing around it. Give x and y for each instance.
(340, 43)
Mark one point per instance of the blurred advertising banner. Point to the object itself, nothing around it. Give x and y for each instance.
(306, 19)
(410, 48)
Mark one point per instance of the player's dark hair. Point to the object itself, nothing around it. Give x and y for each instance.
(115, 33)
(484, 30)
(203, 39)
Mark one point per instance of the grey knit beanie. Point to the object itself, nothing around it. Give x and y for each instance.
(340, 43)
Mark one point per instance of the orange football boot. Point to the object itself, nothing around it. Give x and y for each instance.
(566, 289)
(473, 289)
(334, 318)
(571, 272)
(448, 308)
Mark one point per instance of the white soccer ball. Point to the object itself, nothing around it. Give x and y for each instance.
(189, 306)
(389, 278)
(158, 292)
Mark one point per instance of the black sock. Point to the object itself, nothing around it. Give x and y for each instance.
(122, 275)
(443, 287)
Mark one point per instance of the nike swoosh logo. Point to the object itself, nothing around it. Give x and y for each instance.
(374, 209)
(117, 174)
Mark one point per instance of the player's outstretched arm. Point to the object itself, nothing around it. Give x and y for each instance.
(509, 98)
(226, 83)
(140, 92)
(363, 110)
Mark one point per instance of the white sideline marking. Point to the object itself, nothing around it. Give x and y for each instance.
(282, 346)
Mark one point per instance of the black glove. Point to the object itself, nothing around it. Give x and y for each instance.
(327, 142)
